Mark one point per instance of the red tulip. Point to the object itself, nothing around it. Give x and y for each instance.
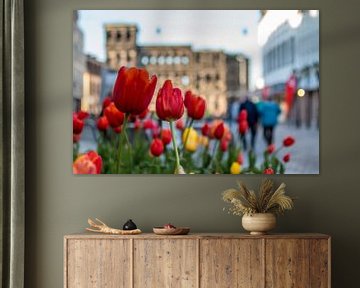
(243, 126)
(102, 123)
(288, 141)
(286, 158)
(180, 124)
(195, 105)
(76, 138)
(82, 115)
(156, 147)
(270, 149)
(133, 90)
(240, 159)
(169, 102)
(224, 145)
(269, 171)
(89, 163)
(137, 124)
(205, 129)
(114, 116)
(149, 124)
(78, 124)
(219, 131)
(117, 130)
(166, 136)
(143, 114)
(106, 102)
(155, 131)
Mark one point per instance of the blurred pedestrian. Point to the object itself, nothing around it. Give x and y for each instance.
(252, 119)
(269, 112)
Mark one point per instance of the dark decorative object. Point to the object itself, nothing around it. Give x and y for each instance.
(129, 225)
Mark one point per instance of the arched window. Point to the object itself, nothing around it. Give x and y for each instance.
(169, 60)
(185, 60)
(118, 36)
(153, 60)
(161, 60)
(145, 60)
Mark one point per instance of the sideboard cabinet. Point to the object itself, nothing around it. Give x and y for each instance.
(197, 260)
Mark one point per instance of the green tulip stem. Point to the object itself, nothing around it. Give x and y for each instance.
(188, 133)
(174, 145)
(123, 134)
(213, 158)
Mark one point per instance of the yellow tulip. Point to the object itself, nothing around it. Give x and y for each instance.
(235, 168)
(192, 141)
(204, 141)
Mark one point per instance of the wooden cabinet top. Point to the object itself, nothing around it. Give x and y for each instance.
(199, 236)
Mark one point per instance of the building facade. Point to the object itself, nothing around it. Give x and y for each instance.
(92, 84)
(292, 48)
(203, 72)
(78, 63)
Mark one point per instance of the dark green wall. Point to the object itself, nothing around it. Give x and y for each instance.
(59, 203)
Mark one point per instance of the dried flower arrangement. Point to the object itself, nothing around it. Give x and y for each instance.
(267, 200)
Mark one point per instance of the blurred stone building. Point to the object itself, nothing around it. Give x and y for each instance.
(78, 62)
(92, 84)
(203, 72)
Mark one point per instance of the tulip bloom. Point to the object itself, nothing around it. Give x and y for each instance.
(156, 147)
(204, 141)
(219, 131)
(235, 168)
(205, 129)
(166, 136)
(78, 124)
(82, 115)
(89, 163)
(224, 144)
(117, 130)
(269, 171)
(195, 105)
(149, 124)
(137, 124)
(76, 138)
(102, 123)
(240, 159)
(106, 102)
(270, 149)
(114, 116)
(288, 141)
(169, 103)
(286, 158)
(179, 124)
(155, 131)
(133, 90)
(190, 139)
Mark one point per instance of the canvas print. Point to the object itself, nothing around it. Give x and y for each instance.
(196, 92)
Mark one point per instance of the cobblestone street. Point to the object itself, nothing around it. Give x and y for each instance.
(304, 153)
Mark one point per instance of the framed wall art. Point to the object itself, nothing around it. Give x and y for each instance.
(196, 92)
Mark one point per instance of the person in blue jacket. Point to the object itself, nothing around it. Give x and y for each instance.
(269, 112)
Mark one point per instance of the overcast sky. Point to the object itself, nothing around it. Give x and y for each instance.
(230, 30)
